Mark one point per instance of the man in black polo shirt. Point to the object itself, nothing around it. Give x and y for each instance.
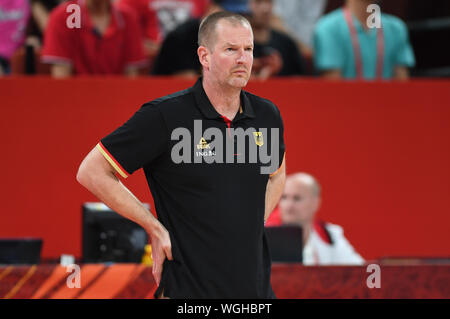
(213, 156)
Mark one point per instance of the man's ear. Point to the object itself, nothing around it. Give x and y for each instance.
(203, 56)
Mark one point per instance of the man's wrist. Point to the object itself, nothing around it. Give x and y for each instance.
(151, 224)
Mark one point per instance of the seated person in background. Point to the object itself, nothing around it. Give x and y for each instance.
(324, 243)
(178, 54)
(275, 53)
(345, 46)
(148, 23)
(108, 41)
(40, 13)
(14, 15)
(298, 19)
(172, 13)
(159, 17)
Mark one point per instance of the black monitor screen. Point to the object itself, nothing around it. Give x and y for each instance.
(285, 243)
(20, 250)
(109, 237)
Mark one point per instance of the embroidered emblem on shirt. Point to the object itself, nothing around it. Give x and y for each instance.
(202, 144)
(258, 138)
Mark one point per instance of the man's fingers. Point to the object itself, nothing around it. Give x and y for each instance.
(157, 271)
(168, 252)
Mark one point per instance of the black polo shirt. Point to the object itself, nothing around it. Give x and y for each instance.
(213, 211)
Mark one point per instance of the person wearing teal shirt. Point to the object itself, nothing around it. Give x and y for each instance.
(345, 46)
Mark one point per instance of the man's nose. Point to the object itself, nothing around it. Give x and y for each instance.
(242, 56)
(286, 204)
(290, 205)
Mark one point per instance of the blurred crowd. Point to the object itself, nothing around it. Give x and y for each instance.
(159, 37)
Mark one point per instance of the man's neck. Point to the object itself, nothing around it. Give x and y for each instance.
(359, 10)
(226, 100)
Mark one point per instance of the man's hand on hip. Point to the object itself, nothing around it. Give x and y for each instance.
(161, 249)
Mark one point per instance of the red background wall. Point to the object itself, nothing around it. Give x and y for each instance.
(380, 150)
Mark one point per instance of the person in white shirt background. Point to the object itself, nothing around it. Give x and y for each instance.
(323, 243)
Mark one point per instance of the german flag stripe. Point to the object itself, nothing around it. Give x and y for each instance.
(112, 161)
(279, 168)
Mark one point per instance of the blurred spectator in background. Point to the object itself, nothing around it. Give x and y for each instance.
(324, 243)
(148, 22)
(298, 19)
(40, 12)
(14, 15)
(178, 54)
(107, 42)
(275, 53)
(172, 13)
(345, 46)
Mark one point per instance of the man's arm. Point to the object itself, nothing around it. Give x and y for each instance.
(274, 190)
(332, 74)
(61, 70)
(187, 74)
(132, 72)
(401, 73)
(98, 176)
(344, 252)
(40, 15)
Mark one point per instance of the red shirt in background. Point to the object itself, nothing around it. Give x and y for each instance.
(147, 18)
(86, 50)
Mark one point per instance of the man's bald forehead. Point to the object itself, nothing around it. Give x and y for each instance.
(307, 180)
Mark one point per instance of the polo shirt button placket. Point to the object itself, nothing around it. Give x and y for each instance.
(228, 123)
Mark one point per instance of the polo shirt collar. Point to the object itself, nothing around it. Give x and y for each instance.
(208, 110)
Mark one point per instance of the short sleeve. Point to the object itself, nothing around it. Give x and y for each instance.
(58, 41)
(328, 48)
(404, 54)
(136, 143)
(282, 147)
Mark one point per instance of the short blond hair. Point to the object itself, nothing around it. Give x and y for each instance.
(208, 26)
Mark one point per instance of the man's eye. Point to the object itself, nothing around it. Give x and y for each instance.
(249, 49)
(230, 49)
